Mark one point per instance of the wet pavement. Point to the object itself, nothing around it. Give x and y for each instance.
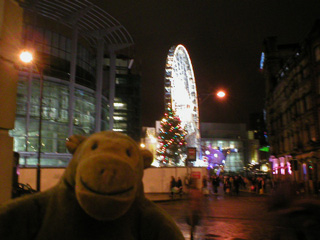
(227, 217)
(164, 197)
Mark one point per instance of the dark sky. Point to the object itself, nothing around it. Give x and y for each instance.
(224, 40)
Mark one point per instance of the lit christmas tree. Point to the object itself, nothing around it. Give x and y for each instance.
(172, 139)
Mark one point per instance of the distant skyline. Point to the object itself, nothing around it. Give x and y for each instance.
(224, 40)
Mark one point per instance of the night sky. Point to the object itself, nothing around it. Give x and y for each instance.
(224, 40)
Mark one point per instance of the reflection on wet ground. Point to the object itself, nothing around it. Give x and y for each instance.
(228, 217)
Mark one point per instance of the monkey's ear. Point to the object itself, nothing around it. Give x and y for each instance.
(147, 157)
(73, 142)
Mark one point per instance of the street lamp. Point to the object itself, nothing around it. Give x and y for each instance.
(220, 94)
(27, 57)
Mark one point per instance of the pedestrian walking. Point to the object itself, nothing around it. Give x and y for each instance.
(194, 209)
(205, 189)
(227, 185)
(187, 180)
(236, 184)
(231, 180)
(173, 186)
(179, 186)
(253, 184)
(260, 185)
(215, 182)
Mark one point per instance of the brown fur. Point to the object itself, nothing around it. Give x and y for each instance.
(100, 196)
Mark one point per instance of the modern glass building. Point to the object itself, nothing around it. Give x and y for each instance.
(227, 146)
(88, 84)
(127, 108)
(224, 152)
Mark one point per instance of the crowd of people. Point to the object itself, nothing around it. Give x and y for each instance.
(282, 200)
(231, 184)
(198, 189)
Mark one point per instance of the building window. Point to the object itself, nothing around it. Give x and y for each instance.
(120, 106)
(55, 120)
(56, 50)
(84, 111)
(104, 115)
(118, 125)
(309, 102)
(308, 133)
(301, 106)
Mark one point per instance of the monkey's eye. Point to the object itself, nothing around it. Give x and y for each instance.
(128, 152)
(94, 146)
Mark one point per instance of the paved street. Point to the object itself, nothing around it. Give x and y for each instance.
(227, 217)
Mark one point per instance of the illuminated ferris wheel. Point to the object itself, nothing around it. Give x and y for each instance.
(181, 92)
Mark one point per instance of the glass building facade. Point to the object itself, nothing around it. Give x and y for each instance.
(226, 153)
(127, 105)
(55, 117)
(76, 88)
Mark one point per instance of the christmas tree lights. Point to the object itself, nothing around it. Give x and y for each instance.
(172, 139)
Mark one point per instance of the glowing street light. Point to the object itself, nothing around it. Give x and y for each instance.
(221, 94)
(27, 57)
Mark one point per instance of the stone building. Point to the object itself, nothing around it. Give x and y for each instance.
(292, 75)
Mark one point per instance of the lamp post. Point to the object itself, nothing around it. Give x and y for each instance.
(220, 94)
(216, 95)
(27, 57)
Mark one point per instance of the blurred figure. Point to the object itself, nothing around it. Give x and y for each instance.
(260, 185)
(187, 180)
(179, 186)
(226, 185)
(297, 218)
(194, 208)
(253, 184)
(205, 189)
(231, 180)
(236, 184)
(173, 186)
(215, 184)
(268, 185)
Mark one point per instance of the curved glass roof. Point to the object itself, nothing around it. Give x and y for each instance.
(92, 21)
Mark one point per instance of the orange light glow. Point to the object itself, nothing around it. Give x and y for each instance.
(26, 57)
(221, 94)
